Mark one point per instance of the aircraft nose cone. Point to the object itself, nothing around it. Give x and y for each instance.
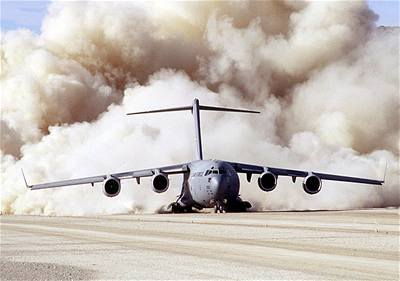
(216, 181)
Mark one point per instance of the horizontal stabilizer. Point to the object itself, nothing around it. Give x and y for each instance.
(200, 107)
(195, 110)
(215, 108)
(162, 110)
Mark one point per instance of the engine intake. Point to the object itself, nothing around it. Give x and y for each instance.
(160, 183)
(267, 181)
(111, 186)
(312, 184)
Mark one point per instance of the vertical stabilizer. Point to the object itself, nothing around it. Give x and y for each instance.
(196, 117)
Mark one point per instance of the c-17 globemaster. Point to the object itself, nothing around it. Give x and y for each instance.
(207, 183)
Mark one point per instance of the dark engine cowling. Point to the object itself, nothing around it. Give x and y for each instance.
(312, 184)
(267, 181)
(111, 186)
(160, 183)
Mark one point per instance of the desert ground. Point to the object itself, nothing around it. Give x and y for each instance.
(350, 245)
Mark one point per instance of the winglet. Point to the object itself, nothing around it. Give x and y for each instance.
(26, 184)
(384, 175)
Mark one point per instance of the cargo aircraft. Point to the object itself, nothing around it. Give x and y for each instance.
(207, 183)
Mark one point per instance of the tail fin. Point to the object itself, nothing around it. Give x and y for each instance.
(195, 109)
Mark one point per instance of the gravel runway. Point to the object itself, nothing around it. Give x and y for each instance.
(338, 245)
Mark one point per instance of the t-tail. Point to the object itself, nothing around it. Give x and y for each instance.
(195, 109)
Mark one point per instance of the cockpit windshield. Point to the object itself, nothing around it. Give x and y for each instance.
(215, 171)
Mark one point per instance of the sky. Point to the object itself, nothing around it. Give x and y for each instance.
(29, 14)
(23, 14)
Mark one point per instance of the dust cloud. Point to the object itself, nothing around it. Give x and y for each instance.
(325, 77)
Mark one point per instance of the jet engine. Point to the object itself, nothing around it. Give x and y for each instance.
(312, 184)
(111, 186)
(267, 181)
(160, 182)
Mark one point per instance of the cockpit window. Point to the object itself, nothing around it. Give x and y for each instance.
(215, 171)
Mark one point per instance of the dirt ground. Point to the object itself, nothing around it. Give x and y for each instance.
(340, 245)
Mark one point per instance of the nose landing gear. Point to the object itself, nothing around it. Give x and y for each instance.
(220, 206)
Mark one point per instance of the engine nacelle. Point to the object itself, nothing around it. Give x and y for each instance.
(312, 184)
(160, 182)
(111, 186)
(267, 181)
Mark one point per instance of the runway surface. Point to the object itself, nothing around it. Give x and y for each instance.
(361, 244)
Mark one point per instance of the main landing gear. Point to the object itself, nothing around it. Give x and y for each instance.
(176, 208)
(237, 205)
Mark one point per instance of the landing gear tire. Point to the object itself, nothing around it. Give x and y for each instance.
(176, 209)
(238, 205)
(219, 208)
(246, 205)
(216, 209)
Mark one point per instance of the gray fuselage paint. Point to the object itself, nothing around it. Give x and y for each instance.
(210, 181)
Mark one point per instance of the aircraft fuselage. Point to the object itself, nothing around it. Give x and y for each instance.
(210, 181)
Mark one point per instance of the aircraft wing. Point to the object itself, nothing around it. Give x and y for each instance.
(174, 169)
(254, 169)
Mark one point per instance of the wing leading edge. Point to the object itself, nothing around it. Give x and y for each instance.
(254, 169)
(169, 170)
